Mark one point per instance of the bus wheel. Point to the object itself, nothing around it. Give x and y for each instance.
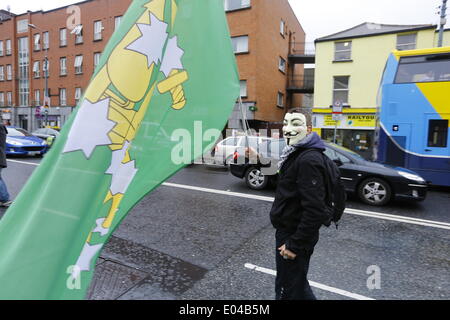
(375, 192)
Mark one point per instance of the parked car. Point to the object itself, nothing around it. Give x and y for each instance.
(47, 134)
(374, 183)
(44, 133)
(21, 142)
(224, 150)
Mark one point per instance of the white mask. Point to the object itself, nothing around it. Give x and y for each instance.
(294, 128)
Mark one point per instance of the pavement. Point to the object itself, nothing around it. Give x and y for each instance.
(184, 244)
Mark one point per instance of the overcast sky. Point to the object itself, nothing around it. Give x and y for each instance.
(318, 17)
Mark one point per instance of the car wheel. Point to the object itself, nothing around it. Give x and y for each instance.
(255, 179)
(375, 192)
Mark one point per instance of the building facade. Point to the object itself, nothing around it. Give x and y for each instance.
(349, 67)
(263, 33)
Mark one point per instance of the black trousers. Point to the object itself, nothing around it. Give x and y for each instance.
(291, 282)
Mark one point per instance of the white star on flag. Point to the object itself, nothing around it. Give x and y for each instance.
(90, 128)
(122, 173)
(172, 58)
(152, 40)
(84, 260)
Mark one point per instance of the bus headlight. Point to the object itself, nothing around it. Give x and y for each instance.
(411, 176)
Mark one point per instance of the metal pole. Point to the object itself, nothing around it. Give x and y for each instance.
(46, 85)
(442, 22)
(335, 132)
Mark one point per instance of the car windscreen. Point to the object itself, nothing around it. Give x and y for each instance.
(17, 132)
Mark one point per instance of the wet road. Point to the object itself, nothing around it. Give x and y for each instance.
(207, 242)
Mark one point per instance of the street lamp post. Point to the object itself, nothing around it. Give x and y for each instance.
(46, 97)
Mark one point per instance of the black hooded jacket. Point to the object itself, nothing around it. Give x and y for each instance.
(299, 206)
(3, 133)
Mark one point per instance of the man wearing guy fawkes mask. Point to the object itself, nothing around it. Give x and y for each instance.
(299, 207)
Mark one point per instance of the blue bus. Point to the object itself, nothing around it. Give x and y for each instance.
(414, 113)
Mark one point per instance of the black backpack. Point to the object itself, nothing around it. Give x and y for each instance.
(336, 195)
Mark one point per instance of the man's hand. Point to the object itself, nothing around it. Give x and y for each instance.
(285, 253)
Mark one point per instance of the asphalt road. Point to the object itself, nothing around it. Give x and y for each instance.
(206, 236)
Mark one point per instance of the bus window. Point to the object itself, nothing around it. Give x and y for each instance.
(433, 68)
(437, 133)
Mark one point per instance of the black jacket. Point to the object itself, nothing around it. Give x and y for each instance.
(3, 133)
(299, 206)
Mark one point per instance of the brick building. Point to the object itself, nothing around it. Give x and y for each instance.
(264, 34)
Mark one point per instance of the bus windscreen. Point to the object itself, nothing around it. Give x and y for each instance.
(431, 68)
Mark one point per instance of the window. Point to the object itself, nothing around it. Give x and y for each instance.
(437, 133)
(62, 97)
(282, 27)
(1, 48)
(22, 26)
(280, 100)
(243, 84)
(282, 65)
(2, 99)
(78, 31)
(406, 41)
(63, 37)
(63, 66)
(37, 42)
(37, 98)
(46, 40)
(117, 21)
(231, 142)
(8, 47)
(240, 44)
(2, 73)
(77, 94)
(9, 72)
(340, 89)
(430, 68)
(97, 57)
(236, 4)
(9, 98)
(78, 65)
(36, 69)
(46, 68)
(98, 30)
(343, 51)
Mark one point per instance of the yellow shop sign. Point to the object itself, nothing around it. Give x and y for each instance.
(361, 120)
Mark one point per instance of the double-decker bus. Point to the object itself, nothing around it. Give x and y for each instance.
(414, 113)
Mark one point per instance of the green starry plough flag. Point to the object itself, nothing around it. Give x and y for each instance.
(168, 66)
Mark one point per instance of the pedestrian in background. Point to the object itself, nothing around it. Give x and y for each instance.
(298, 211)
(4, 195)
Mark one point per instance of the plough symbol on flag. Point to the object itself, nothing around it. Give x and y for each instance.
(109, 116)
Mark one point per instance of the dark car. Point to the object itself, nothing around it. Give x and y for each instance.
(374, 183)
(21, 142)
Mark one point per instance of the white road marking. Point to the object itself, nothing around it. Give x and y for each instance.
(363, 213)
(371, 214)
(313, 284)
(23, 162)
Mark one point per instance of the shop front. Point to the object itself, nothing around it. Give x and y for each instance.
(354, 131)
